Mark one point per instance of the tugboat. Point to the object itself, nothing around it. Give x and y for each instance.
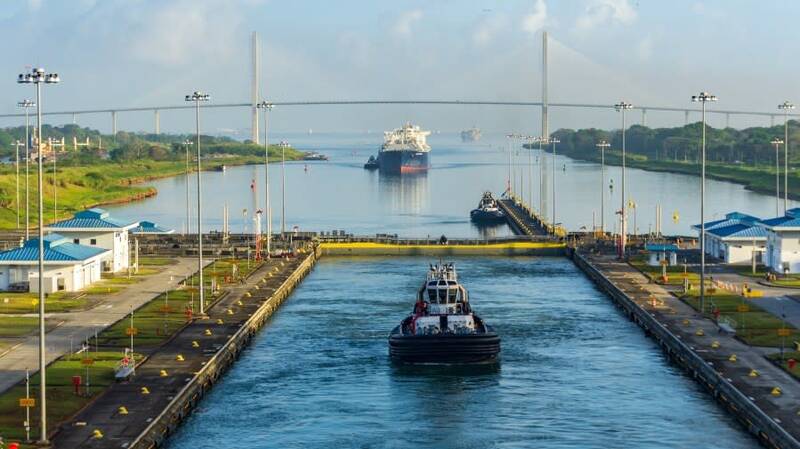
(487, 211)
(372, 163)
(442, 329)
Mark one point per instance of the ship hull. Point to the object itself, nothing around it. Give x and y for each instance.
(406, 161)
(487, 217)
(444, 348)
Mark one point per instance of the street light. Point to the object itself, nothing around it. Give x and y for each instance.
(542, 140)
(777, 142)
(37, 77)
(17, 144)
(622, 106)
(283, 190)
(197, 98)
(602, 145)
(27, 104)
(186, 144)
(703, 98)
(785, 107)
(267, 107)
(554, 141)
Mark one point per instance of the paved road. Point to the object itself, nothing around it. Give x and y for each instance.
(78, 326)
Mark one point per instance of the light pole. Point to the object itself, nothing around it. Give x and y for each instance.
(554, 141)
(622, 106)
(602, 145)
(267, 107)
(186, 144)
(508, 144)
(27, 104)
(777, 142)
(703, 98)
(785, 107)
(542, 140)
(17, 144)
(283, 190)
(37, 77)
(197, 98)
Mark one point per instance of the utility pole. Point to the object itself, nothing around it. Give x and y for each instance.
(785, 107)
(703, 98)
(777, 142)
(198, 97)
(622, 106)
(602, 145)
(267, 107)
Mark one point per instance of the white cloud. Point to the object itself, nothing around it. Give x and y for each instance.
(598, 12)
(536, 20)
(179, 31)
(488, 29)
(644, 49)
(402, 27)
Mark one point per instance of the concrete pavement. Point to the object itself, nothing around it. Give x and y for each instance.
(76, 327)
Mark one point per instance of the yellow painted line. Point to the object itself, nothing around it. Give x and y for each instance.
(374, 245)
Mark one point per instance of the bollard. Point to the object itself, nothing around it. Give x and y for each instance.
(195, 344)
(255, 286)
(239, 303)
(791, 363)
(247, 294)
(685, 322)
(208, 332)
(163, 373)
(97, 434)
(145, 390)
(715, 344)
(179, 358)
(219, 321)
(776, 391)
(123, 410)
(230, 312)
(732, 358)
(753, 373)
(700, 332)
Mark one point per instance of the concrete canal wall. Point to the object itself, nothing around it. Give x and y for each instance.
(757, 422)
(452, 248)
(189, 396)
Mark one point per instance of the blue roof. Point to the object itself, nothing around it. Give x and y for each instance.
(148, 227)
(739, 231)
(57, 248)
(730, 219)
(656, 247)
(91, 218)
(782, 222)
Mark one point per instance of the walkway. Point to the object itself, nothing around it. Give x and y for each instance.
(76, 327)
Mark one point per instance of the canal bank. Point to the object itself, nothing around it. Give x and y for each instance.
(764, 398)
(142, 412)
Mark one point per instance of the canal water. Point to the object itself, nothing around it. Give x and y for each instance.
(341, 195)
(574, 372)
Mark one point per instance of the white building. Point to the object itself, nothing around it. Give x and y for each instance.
(67, 266)
(95, 227)
(736, 239)
(783, 242)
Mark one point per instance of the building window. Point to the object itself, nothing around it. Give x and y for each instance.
(93, 241)
(76, 241)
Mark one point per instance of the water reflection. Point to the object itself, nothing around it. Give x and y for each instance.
(405, 194)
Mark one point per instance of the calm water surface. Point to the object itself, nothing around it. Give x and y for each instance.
(574, 372)
(340, 194)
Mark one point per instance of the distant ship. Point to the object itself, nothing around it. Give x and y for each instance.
(314, 156)
(471, 135)
(404, 150)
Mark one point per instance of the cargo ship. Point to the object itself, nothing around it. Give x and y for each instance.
(404, 150)
(443, 329)
(471, 135)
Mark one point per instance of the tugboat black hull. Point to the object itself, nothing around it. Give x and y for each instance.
(487, 217)
(444, 348)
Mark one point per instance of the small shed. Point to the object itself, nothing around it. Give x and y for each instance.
(658, 252)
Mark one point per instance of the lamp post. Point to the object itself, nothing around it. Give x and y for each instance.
(703, 98)
(197, 98)
(267, 107)
(283, 190)
(27, 104)
(17, 144)
(785, 107)
(542, 140)
(602, 145)
(186, 144)
(622, 106)
(777, 142)
(508, 144)
(554, 141)
(37, 77)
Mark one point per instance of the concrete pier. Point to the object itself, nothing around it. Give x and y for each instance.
(718, 361)
(181, 371)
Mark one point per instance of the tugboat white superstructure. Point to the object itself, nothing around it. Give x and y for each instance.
(442, 328)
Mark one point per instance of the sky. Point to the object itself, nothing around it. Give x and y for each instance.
(130, 53)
